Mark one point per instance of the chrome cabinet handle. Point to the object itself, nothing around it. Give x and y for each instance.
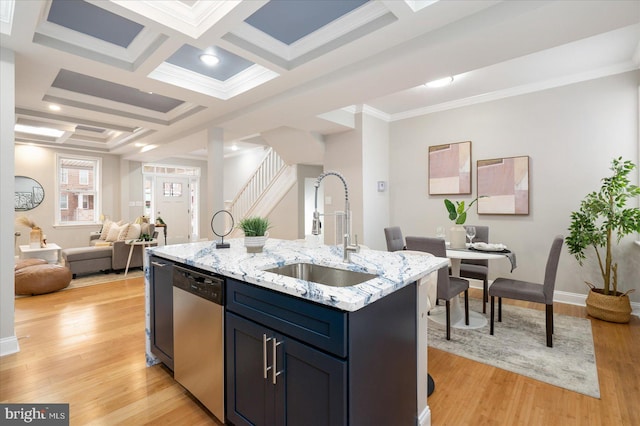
(161, 265)
(274, 374)
(265, 369)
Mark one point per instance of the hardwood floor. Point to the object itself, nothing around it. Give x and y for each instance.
(471, 393)
(85, 347)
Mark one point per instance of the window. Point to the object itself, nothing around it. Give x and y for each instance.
(78, 190)
(84, 177)
(64, 201)
(171, 189)
(85, 201)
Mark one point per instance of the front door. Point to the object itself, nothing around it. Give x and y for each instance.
(173, 206)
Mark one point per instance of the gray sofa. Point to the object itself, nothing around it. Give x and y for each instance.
(98, 257)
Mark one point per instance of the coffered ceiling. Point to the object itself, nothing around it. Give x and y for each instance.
(128, 79)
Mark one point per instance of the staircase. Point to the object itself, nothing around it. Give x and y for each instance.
(263, 190)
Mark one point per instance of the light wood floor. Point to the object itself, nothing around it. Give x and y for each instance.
(85, 347)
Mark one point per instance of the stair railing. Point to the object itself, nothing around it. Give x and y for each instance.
(264, 176)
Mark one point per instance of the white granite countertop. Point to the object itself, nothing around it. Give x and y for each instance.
(395, 270)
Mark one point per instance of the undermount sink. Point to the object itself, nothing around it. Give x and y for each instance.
(322, 274)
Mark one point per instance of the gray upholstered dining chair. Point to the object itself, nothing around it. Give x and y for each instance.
(395, 240)
(448, 287)
(531, 292)
(478, 269)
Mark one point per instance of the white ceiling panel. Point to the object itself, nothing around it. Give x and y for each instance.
(110, 81)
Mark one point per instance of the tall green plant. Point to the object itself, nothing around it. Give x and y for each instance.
(603, 214)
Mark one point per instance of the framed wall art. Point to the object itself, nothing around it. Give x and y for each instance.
(505, 182)
(450, 168)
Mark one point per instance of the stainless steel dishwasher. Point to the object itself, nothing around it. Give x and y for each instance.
(198, 334)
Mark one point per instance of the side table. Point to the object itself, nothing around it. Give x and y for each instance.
(50, 253)
(132, 244)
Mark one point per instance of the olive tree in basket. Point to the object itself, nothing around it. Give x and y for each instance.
(602, 221)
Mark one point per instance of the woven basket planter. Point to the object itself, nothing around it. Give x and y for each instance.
(609, 307)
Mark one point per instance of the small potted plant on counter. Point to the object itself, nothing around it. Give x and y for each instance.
(255, 232)
(602, 220)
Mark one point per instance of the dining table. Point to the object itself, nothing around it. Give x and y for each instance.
(455, 256)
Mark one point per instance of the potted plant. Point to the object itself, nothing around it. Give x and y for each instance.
(602, 220)
(458, 214)
(255, 232)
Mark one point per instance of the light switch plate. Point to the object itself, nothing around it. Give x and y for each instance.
(382, 186)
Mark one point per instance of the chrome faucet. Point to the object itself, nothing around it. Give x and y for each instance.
(348, 248)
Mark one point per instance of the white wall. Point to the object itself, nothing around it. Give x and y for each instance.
(570, 133)
(8, 339)
(343, 154)
(284, 218)
(238, 169)
(375, 168)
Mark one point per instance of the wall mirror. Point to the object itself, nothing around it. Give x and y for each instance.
(29, 193)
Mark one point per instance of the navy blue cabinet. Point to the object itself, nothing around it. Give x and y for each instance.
(161, 309)
(276, 380)
(293, 362)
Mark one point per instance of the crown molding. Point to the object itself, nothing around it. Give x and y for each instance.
(519, 90)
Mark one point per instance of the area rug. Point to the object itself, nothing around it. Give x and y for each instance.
(519, 345)
(94, 279)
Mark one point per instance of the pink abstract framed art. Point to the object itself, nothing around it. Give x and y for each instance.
(505, 182)
(450, 168)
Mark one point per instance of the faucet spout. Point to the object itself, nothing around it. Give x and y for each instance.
(348, 248)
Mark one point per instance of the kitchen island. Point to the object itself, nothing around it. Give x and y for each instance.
(376, 339)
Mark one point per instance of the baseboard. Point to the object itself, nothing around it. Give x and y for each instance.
(9, 345)
(566, 297)
(569, 298)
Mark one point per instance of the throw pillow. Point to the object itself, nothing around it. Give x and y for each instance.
(114, 232)
(124, 229)
(105, 229)
(133, 232)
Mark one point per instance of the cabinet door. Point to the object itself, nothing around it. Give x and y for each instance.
(311, 390)
(250, 397)
(161, 312)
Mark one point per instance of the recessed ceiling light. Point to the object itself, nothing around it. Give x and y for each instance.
(234, 147)
(54, 107)
(440, 82)
(148, 148)
(42, 131)
(209, 59)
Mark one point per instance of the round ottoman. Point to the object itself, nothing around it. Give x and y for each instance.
(23, 263)
(41, 278)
